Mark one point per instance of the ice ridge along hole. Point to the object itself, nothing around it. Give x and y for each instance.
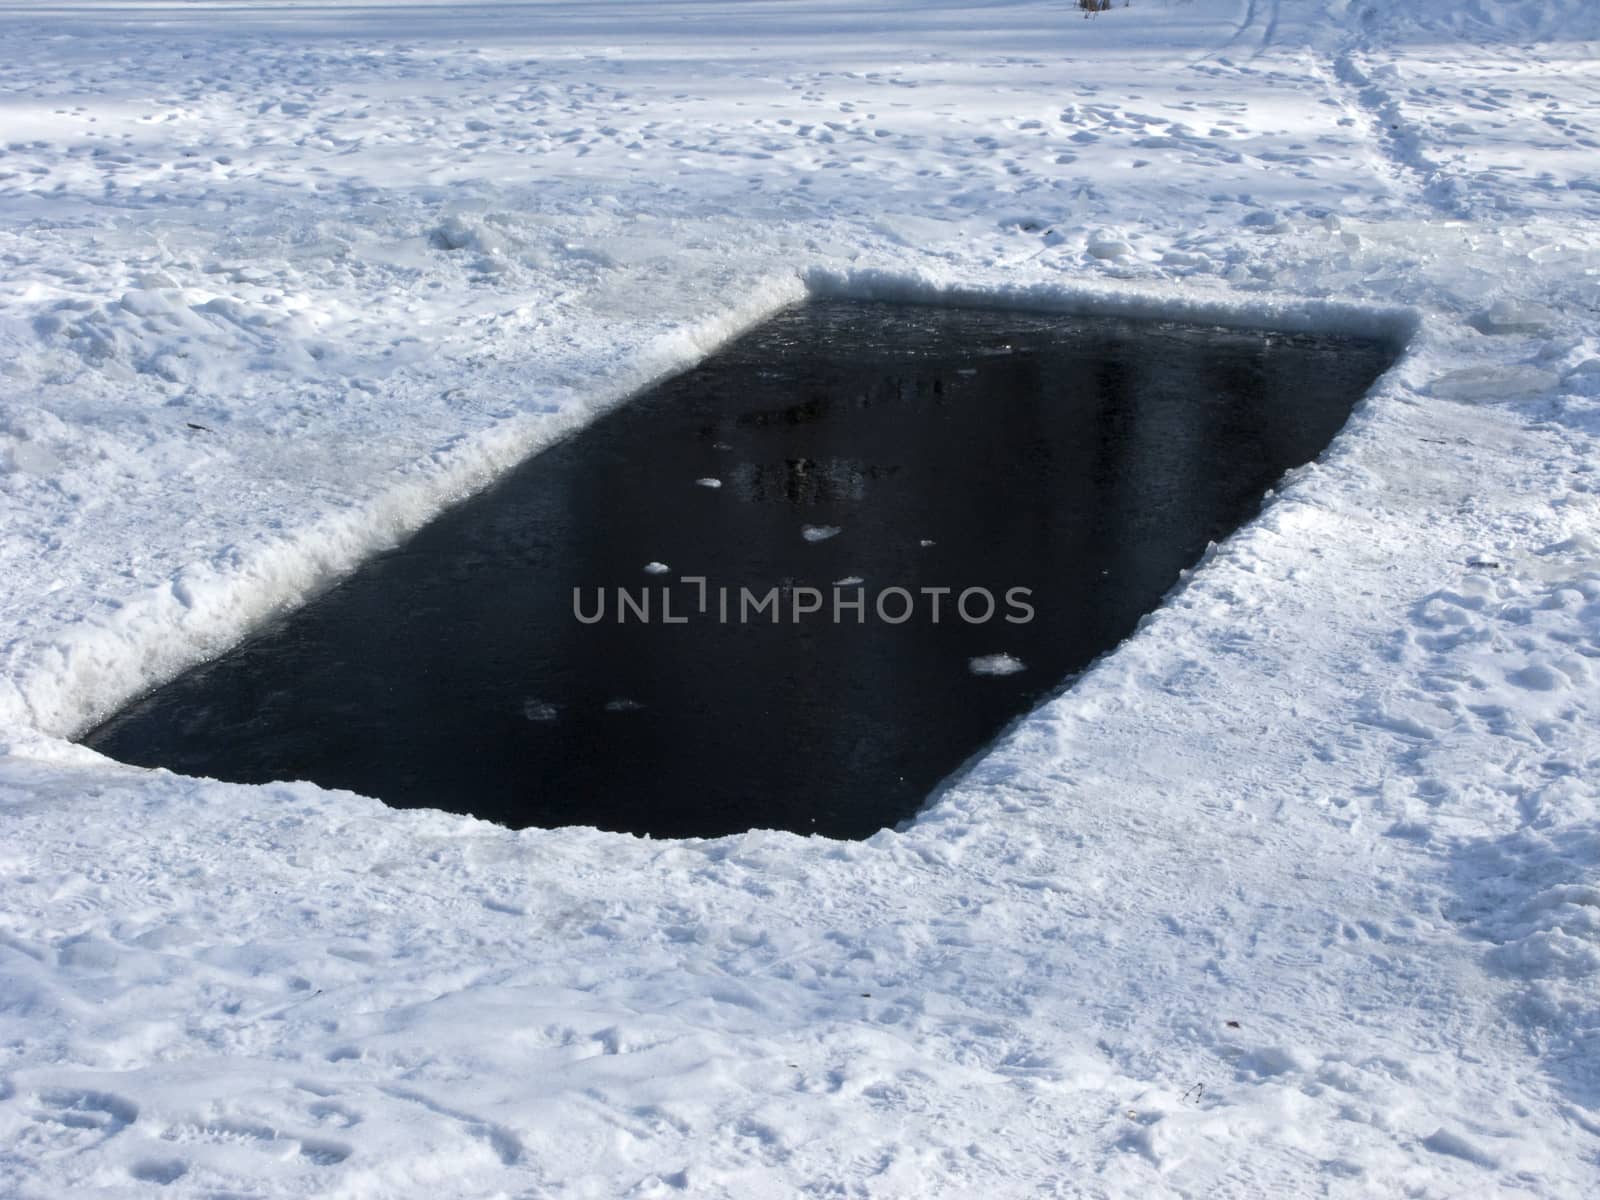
(844, 449)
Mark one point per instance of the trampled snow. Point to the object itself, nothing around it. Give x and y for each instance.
(1294, 893)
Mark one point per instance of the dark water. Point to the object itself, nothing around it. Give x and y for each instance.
(1086, 460)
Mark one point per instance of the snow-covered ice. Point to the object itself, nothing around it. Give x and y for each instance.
(1295, 893)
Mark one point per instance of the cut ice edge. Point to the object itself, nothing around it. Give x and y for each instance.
(1278, 312)
(63, 685)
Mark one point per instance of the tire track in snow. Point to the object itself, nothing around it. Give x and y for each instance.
(1245, 21)
(1269, 35)
(1251, 18)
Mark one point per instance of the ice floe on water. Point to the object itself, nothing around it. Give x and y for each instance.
(995, 664)
(539, 710)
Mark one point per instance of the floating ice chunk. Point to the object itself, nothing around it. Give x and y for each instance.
(995, 664)
(709, 483)
(1493, 382)
(818, 533)
(538, 710)
(1511, 316)
(656, 568)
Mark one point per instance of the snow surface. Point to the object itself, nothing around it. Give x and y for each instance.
(1294, 894)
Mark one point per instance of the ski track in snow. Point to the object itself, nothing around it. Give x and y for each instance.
(1296, 893)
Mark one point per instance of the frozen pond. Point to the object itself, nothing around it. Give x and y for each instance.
(724, 606)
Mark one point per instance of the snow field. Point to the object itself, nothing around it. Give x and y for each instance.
(1293, 894)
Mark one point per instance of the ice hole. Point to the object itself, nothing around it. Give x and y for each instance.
(607, 637)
